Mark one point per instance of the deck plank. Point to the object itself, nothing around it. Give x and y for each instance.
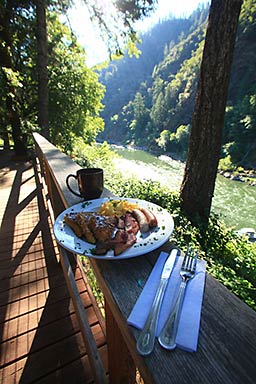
(29, 321)
(40, 340)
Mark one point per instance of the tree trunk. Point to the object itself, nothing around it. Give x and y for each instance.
(42, 61)
(208, 118)
(5, 136)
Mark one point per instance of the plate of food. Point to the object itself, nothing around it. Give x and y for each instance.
(113, 228)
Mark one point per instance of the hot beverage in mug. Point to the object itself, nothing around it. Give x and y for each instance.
(90, 183)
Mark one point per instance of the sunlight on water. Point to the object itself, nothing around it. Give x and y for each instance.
(234, 201)
(145, 171)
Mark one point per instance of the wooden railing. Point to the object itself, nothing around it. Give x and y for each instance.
(54, 167)
(227, 339)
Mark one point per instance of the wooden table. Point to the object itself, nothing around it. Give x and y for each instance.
(227, 339)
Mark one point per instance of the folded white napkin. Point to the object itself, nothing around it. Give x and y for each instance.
(189, 324)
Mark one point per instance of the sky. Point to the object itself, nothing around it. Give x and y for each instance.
(89, 37)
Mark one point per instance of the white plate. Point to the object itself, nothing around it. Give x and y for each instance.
(145, 243)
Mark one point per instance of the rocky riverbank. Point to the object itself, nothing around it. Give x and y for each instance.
(244, 176)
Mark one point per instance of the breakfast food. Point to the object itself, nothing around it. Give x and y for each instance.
(142, 220)
(116, 207)
(114, 226)
(151, 219)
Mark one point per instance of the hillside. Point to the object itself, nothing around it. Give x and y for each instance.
(149, 101)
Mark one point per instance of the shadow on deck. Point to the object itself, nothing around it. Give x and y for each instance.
(40, 337)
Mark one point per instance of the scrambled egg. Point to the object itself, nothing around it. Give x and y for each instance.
(116, 207)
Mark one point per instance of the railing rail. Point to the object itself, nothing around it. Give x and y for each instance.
(54, 167)
(227, 339)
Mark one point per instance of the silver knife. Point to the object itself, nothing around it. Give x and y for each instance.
(146, 340)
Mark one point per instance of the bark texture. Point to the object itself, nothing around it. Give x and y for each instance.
(208, 118)
(42, 62)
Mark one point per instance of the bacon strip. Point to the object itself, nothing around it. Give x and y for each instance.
(108, 232)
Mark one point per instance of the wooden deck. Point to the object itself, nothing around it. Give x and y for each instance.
(40, 337)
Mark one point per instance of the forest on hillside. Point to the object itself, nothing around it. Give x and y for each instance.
(67, 88)
(149, 100)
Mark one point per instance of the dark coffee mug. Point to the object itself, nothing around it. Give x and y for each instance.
(90, 183)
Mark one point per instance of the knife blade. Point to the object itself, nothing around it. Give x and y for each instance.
(146, 340)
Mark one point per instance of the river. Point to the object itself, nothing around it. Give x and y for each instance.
(234, 201)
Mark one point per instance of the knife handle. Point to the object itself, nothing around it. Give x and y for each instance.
(146, 340)
(168, 334)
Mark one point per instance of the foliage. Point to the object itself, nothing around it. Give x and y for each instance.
(231, 259)
(175, 142)
(115, 20)
(93, 155)
(164, 48)
(74, 91)
(93, 284)
(126, 77)
(166, 74)
(240, 130)
(225, 164)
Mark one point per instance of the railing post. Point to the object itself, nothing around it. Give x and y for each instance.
(45, 151)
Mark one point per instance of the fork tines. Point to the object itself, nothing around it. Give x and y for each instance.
(190, 259)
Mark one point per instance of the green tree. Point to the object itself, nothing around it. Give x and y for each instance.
(208, 118)
(74, 90)
(164, 139)
(158, 112)
(175, 142)
(178, 141)
(240, 130)
(10, 78)
(42, 71)
(139, 122)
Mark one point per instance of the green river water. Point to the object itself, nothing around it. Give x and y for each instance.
(234, 201)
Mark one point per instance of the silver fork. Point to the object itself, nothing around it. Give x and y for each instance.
(168, 334)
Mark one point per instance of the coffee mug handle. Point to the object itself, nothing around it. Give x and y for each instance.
(71, 190)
